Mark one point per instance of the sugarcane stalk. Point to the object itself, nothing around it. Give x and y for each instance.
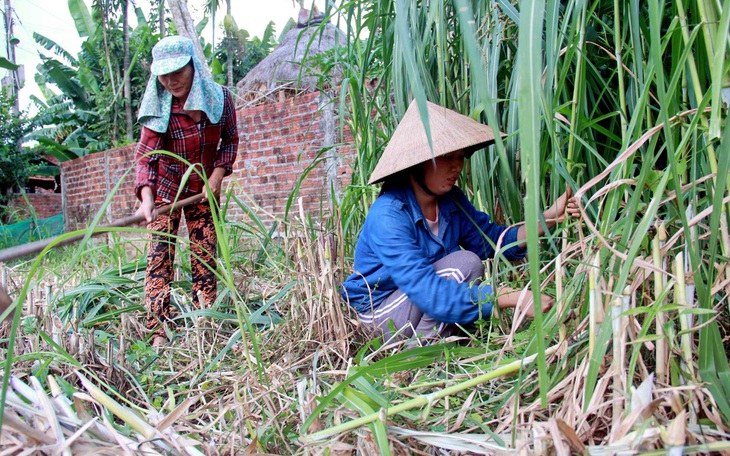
(61, 401)
(725, 240)
(680, 298)
(425, 399)
(119, 410)
(50, 414)
(660, 281)
(618, 385)
(593, 305)
(619, 323)
(562, 331)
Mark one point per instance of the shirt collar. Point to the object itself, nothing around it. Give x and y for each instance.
(446, 205)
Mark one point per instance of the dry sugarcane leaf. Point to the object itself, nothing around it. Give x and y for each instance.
(252, 448)
(307, 404)
(676, 432)
(120, 441)
(120, 411)
(467, 442)
(179, 411)
(12, 421)
(464, 409)
(636, 415)
(5, 303)
(643, 395)
(11, 448)
(340, 449)
(67, 444)
(24, 390)
(62, 402)
(571, 437)
(366, 442)
(561, 449)
(80, 407)
(49, 411)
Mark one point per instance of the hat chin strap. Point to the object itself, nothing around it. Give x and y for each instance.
(421, 181)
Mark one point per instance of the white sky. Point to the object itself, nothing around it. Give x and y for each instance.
(52, 19)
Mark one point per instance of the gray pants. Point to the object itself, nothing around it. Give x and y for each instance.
(399, 314)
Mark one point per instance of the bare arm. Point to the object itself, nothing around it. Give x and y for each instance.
(553, 215)
(147, 205)
(509, 297)
(214, 182)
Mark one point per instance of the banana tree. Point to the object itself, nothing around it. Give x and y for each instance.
(16, 162)
(228, 24)
(83, 95)
(238, 53)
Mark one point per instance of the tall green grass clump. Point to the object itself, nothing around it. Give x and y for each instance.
(621, 101)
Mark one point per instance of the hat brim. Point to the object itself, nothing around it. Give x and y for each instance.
(168, 65)
(450, 132)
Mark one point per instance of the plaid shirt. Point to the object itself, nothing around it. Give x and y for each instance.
(196, 143)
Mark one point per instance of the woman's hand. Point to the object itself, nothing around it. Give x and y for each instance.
(565, 203)
(215, 181)
(147, 206)
(522, 299)
(554, 214)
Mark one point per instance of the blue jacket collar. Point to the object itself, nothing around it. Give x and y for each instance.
(446, 205)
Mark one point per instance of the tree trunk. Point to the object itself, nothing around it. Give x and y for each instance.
(229, 49)
(161, 14)
(127, 71)
(212, 19)
(186, 27)
(105, 7)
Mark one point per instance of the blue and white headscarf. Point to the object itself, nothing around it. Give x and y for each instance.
(170, 54)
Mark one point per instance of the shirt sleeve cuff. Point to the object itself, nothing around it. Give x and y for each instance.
(510, 238)
(484, 298)
(225, 165)
(138, 189)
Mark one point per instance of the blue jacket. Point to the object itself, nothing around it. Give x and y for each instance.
(396, 249)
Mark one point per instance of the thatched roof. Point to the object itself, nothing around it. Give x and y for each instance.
(282, 73)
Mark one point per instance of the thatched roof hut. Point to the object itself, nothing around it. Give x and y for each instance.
(289, 69)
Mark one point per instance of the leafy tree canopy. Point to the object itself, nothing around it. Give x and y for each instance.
(83, 106)
(83, 110)
(16, 162)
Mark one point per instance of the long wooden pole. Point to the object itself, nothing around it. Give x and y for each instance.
(20, 251)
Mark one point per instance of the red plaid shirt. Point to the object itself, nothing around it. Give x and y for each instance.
(196, 143)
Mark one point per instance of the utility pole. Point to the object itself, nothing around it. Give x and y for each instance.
(11, 41)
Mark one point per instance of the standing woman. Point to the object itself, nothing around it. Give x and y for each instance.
(418, 261)
(186, 113)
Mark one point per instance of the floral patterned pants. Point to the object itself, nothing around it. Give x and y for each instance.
(161, 257)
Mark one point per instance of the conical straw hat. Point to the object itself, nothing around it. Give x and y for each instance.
(450, 131)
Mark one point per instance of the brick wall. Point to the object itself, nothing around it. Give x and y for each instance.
(45, 204)
(88, 181)
(279, 143)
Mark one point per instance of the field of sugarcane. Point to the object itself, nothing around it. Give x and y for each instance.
(621, 101)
